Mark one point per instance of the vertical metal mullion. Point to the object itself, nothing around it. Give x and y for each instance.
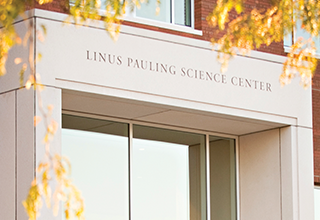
(172, 11)
(134, 12)
(208, 176)
(237, 144)
(16, 155)
(192, 17)
(233, 179)
(130, 167)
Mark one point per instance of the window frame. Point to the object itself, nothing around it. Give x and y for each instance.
(130, 16)
(291, 38)
(172, 13)
(164, 25)
(207, 135)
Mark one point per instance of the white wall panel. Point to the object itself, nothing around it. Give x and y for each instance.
(7, 155)
(259, 173)
(135, 71)
(305, 173)
(25, 147)
(11, 80)
(289, 173)
(49, 96)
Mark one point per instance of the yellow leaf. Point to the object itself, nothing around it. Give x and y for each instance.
(36, 120)
(238, 8)
(157, 10)
(46, 138)
(40, 36)
(17, 60)
(50, 107)
(39, 57)
(28, 84)
(18, 40)
(44, 29)
(67, 214)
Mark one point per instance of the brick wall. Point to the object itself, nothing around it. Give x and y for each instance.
(316, 124)
(61, 6)
(202, 8)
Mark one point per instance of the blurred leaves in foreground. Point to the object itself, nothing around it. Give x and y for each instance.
(250, 30)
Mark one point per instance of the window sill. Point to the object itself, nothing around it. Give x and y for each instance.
(287, 49)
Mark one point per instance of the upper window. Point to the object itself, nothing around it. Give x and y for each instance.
(299, 32)
(171, 11)
(177, 15)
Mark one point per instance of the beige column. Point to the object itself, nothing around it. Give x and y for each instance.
(25, 147)
(7, 155)
(49, 96)
(259, 167)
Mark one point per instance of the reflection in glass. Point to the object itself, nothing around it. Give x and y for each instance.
(299, 32)
(222, 178)
(168, 175)
(182, 12)
(99, 157)
(168, 171)
(148, 10)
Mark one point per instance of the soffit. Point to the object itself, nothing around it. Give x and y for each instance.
(85, 103)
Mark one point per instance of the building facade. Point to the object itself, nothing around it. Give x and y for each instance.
(152, 128)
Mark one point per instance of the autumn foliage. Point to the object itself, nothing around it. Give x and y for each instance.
(248, 31)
